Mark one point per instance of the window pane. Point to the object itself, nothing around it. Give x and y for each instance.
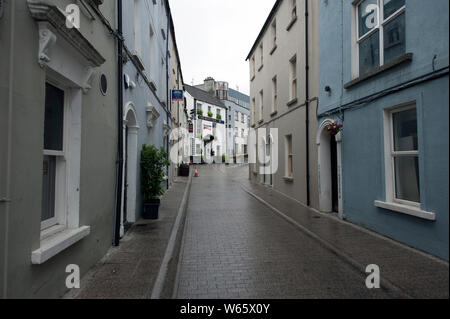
(405, 131)
(367, 16)
(54, 118)
(394, 38)
(369, 53)
(391, 6)
(407, 178)
(48, 188)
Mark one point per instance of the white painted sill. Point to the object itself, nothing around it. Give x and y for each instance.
(288, 179)
(53, 245)
(408, 210)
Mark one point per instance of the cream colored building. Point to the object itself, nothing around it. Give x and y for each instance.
(284, 92)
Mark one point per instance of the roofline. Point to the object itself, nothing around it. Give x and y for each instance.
(264, 28)
(172, 27)
(190, 86)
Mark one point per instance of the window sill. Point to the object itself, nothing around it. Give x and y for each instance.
(273, 49)
(261, 121)
(288, 179)
(400, 60)
(252, 78)
(291, 24)
(274, 113)
(53, 245)
(292, 102)
(408, 210)
(261, 67)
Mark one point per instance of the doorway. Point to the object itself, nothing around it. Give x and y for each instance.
(129, 187)
(330, 170)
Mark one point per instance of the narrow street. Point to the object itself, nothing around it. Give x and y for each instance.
(236, 247)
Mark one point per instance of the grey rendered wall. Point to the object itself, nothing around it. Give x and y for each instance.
(290, 43)
(98, 156)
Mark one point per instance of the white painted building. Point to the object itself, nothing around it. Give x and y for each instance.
(207, 134)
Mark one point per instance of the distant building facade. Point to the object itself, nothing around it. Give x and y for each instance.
(207, 125)
(284, 78)
(388, 87)
(237, 117)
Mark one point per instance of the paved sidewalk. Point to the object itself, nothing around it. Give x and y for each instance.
(130, 270)
(236, 247)
(415, 273)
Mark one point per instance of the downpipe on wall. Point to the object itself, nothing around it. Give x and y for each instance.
(308, 175)
(169, 102)
(6, 201)
(119, 163)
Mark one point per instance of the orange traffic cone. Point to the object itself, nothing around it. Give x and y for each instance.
(196, 173)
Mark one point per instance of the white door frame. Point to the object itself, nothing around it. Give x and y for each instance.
(324, 170)
(131, 149)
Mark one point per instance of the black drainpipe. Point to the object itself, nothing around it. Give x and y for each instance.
(119, 163)
(308, 177)
(169, 103)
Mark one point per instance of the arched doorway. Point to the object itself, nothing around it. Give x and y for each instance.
(330, 170)
(131, 128)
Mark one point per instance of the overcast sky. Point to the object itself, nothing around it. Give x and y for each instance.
(215, 36)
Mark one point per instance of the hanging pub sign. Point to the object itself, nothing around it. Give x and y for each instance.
(177, 95)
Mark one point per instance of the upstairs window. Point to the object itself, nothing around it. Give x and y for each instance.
(274, 95)
(293, 90)
(380, 32)
(274, 33)
(293, 9)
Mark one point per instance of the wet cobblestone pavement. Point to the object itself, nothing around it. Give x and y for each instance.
(235, 247)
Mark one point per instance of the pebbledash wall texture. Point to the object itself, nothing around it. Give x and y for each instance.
(394, 110)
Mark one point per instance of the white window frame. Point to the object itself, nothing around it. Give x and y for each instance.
(253, 110)
(289, 156)
(293, 92)
(261, 53)
(274, 94)
(261, 105)
(294, 14)
(391, 154)
(380, 27)
(59, 222)
(253, 66)
(274, 33)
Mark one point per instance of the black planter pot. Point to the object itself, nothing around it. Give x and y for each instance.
(184, 170)
(151, 209)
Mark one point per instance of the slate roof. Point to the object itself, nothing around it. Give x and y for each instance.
(203, 96)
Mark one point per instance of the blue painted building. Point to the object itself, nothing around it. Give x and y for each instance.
(149, 75)
(384, 77)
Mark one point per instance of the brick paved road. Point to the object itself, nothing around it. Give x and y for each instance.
(235, 247)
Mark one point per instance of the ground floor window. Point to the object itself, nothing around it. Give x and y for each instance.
(54, 157)
(404, 155)
(289, 157)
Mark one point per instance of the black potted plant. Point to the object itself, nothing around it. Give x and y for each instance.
(153, 164)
